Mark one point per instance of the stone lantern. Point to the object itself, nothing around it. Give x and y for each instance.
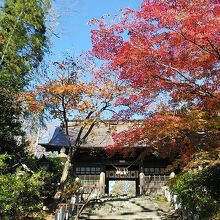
(62, 155)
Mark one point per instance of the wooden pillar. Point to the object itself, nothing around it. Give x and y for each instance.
(137, 187)
(102, 183)
(142, 183)
(107, 187)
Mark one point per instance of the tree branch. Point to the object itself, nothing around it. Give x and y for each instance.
(202, 91)
(202, 47)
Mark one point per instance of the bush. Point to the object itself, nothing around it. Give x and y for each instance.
(51, 177)
(199, 191)
(20, 189)
(19, 196)
(26, 186)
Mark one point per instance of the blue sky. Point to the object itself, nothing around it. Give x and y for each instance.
(74, 32)
(73, 29)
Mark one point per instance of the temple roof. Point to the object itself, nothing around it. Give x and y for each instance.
(100, 136)
(59, 139)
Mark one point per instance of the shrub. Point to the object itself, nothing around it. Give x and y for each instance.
(199, 191)
(19, 196)
(20, 189)
(51, 177)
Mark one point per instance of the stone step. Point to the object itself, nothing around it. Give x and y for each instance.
(138, 208)
(117, 216)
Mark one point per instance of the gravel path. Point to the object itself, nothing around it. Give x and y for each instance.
(136, 208)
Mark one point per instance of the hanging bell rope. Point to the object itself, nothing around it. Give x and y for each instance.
(122, 171)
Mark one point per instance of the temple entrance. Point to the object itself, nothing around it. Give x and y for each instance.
(121, 179)
(122, 187)
(96, 169)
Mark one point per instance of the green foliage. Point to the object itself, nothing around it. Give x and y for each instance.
(23, 191)
(23, 36)
(199, 191)
(10, 130)
(2, 162)
(19, 196)
(51, 177)
(23, 42)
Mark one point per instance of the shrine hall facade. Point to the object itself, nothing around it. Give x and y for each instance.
(94, 167)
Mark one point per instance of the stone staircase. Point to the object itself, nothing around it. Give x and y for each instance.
(127, 208)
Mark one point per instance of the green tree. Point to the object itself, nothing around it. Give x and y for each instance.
(23, 42)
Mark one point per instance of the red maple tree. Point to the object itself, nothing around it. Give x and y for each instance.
(168, 53)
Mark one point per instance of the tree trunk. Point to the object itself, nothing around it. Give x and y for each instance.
(68, 164)
(66, 169)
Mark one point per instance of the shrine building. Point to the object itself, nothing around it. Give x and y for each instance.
(94, 167)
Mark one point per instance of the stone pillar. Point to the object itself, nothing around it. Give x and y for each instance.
(142, 183)
(102, 183)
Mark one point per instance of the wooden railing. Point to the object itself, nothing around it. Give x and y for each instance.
(154, 183)
(77, 203)
(67, 210)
